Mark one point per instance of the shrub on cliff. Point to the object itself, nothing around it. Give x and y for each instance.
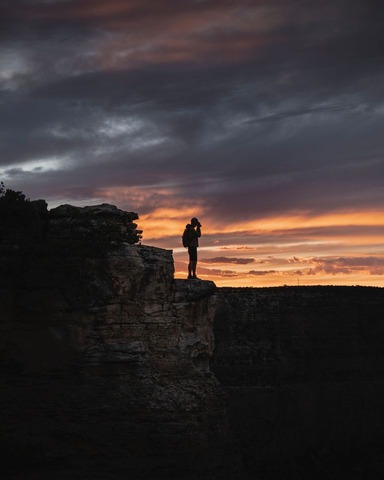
(20, 219)
(11, 197)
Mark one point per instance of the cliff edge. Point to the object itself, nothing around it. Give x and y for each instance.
(104, 356)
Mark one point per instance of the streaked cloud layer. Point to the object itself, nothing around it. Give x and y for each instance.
(263, 118)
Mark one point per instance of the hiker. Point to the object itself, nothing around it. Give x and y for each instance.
(191, 236)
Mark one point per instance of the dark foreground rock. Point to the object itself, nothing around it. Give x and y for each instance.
(105, 363)
(303, 368)
(104, 358)
(110, 368)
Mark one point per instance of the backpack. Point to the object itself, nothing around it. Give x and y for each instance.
(186, 238)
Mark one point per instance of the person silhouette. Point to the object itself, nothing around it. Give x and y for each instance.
(191, 236)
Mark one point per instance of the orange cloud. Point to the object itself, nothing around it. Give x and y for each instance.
(238, 261)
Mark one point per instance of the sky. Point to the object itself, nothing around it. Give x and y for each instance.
(262, 118)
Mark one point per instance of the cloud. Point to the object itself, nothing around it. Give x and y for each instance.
(238, 261)
(368, 265)
(294, 260)
(242, 247)
(216, 272)
(260, 273)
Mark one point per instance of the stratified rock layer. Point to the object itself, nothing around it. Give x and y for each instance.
(95, 223)
(104, 358)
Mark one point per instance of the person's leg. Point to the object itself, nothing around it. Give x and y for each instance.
(194, 263)
(190, 267)
(190, 264)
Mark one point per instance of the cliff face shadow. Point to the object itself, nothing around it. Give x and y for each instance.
(303, 369)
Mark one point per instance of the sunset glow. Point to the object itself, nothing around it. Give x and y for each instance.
(336, 249)
(263, 119)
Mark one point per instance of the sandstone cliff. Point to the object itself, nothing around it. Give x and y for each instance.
(104, 356)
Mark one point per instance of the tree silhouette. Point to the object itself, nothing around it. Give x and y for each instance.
(19, 221)
(7, 195)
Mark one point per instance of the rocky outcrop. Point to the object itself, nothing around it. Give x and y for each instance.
(97, 223)
(104, 356)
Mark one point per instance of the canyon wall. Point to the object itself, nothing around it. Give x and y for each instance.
(303, 368)
(104, 356)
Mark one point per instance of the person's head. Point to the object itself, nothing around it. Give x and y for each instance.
(194, 222)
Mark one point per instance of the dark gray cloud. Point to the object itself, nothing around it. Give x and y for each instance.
(255, 109)
(336, 265)
(261, 273)
(238, 261)
(347, 265)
